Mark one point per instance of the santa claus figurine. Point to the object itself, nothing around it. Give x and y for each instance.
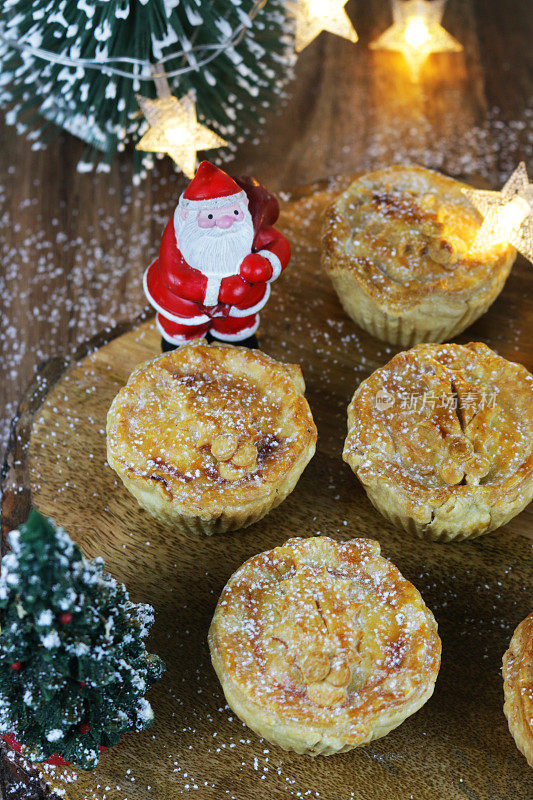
(218, 256)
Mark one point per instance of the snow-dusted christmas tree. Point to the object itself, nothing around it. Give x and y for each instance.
(73, 664)
(232, 89)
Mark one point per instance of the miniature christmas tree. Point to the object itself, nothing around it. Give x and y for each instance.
(73, 665)
(47, 43)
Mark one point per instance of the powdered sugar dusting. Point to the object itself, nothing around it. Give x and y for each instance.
(476, 590)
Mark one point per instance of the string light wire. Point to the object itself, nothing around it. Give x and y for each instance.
(105, 65)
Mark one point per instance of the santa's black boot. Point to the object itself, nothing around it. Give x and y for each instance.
(250, 342)
(166, 347)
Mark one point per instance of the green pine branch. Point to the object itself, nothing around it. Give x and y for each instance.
(233, 91)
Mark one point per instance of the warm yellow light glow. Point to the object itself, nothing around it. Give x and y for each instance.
(174, 129)
(416, 32)
(314, 16)
(512, 215)
(175, 133)
(319, 8)
(507, 215)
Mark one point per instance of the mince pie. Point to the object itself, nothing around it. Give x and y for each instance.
(322, 646)
(441, 438)
(397, 249)
(211, 437)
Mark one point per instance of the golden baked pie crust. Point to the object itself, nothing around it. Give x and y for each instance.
(442, 439)
(322, 646)
(396, 245)
(211, 436)
(518, 687)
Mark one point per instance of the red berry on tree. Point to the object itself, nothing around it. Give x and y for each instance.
(85, 727)
(16, 665)
(82, 684)
(65, 618)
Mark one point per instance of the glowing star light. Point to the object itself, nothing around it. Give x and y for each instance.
(314, 16)
(416, 32)
(174, 129)
(507, 215)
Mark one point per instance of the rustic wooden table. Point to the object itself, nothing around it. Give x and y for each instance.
(73, 246)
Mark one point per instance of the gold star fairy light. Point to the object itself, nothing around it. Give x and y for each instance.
(175, 130)
(416, 32)
(507, 215)
(314, 16)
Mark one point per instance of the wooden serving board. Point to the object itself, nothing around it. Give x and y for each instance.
(458, 745)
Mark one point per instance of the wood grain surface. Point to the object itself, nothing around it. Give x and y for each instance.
(73, 246)
(458, 745)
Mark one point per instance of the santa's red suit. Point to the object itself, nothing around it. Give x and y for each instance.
(226, 227)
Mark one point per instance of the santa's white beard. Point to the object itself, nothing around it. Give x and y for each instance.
(214, 251)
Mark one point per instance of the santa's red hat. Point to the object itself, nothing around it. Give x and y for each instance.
(211, 188)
